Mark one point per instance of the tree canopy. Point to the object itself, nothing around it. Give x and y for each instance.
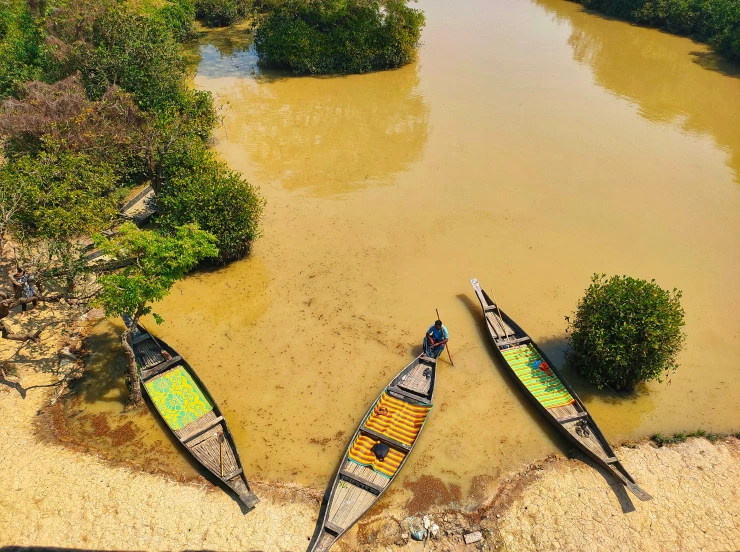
(339, 36)
(625, 331)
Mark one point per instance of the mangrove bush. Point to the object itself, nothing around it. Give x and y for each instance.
(625, 331)
(338, 36)
(202, 190)
(716, 22)
(221, 13)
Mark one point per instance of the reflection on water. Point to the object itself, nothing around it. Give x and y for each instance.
(357, 130)
(506, 159)
(672, 80)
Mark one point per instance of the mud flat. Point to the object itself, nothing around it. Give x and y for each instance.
(51, 495)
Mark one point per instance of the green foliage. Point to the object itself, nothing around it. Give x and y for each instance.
(137, 53)
(159, 262)
(199, 189)
(662, 440)
(23, 53)
(178, 16)
(63, 195)
(716, 22)
(222, 13)
(625, 331)
(339, 36)
(61, 115)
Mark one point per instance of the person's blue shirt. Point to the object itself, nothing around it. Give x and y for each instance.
(440, 334)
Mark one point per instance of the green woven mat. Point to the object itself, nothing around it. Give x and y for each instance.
(178, 398)
(547, 389)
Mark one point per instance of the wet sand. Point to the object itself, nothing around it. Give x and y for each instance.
(53, 496)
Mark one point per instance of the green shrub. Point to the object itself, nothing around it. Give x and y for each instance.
(625, 331)
(339, 36)
(716, 22)
(23, 52)
(199, 189)
(222, 13)
(137, 53)
(178, 16)
(63, 195)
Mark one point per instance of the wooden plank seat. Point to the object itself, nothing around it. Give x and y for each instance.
(574, 417)
(233, 474)
(333, 528)
(517, 341)
(385, 439)
(365, 473)
(200, 429)
(204, 422)
(354, 478)
(141, 337)
(159, 368)
(403, 395)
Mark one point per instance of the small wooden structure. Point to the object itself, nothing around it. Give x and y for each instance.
(141, 207)
(395, 420)
(543, 384)
(184, 403)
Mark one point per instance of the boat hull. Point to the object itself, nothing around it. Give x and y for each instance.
(201, 430)
(360, 480)
(595, 446)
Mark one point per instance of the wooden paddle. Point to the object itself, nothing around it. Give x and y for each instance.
(448, 344)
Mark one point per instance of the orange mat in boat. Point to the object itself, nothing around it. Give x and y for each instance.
(397, 419)
(361, 452)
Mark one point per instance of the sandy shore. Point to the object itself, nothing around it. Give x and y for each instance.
(53, 496)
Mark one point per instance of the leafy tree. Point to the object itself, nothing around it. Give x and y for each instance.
(625, 331)
(173, 130)
(23, 52)
(158, 262)
(132, 51)
(61, 114)
(199, 189)
(339, 36)
(65, 195)
(178, 16)
(221, 13)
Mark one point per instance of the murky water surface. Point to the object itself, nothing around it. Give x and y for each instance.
(531, 145)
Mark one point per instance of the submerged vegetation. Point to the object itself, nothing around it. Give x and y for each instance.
(339, 36)
(716, 22)
(625, 331)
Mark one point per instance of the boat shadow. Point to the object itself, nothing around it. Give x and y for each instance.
(555, 349)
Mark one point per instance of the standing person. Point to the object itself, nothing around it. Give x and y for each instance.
(29, 291)
(435, 340)
(17, 282)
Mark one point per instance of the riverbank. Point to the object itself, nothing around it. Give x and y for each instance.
(54, 496)
(713, 22)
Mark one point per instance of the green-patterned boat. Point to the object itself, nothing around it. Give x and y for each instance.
(549, 391)
(188, 409)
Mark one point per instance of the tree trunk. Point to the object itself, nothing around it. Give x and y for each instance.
(133, 372)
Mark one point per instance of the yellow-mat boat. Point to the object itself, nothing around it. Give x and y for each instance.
(394, 423)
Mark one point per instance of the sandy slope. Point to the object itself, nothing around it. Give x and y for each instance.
(53, 496)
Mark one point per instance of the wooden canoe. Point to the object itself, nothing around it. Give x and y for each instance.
(396, 420)
(189, 411)
(545, 386)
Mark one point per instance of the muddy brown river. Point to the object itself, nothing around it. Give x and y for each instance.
(532, 145)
